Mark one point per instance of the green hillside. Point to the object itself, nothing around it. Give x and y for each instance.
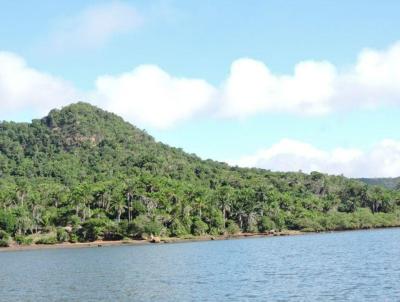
(389, 183)
(81, 174)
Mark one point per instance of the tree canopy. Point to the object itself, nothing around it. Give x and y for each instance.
(81, 174)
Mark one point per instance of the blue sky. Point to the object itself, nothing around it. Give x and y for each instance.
(217, 78)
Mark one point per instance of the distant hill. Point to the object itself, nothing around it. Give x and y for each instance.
(390, 183)
(81, 174)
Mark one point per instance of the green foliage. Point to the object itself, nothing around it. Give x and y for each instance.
(4, 243)
(178, 229)
(199, 227)
(93, 229)
(62, 235)
(232, 228)
(73, 238)
(143, 226)
(47, 240)
(266, 224)
(139, 225)
(7, 221)
(23, 240)
(4, 235)
(389, 183)
(4, 239)
(87, 170)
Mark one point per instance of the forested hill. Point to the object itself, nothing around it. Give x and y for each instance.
(81, 174)
(389, 183)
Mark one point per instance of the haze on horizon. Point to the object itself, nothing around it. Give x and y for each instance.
(313, 86)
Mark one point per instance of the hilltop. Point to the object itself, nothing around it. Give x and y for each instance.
(81, 174)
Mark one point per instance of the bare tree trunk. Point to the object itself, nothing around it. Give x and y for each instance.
(130, 209)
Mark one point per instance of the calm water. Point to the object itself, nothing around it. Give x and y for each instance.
(348, 266)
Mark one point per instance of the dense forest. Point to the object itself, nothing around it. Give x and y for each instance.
(81, 174)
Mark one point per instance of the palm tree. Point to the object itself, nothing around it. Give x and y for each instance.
(37, 211)
(224, 200)
(129, 193)
(119, 207)
(81, 199)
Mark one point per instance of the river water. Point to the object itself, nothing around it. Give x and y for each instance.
(344, 266)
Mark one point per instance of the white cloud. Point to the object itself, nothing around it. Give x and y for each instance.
(94, 26)
(383, 160)
(24, 88)
(149, 95)
(314, 87)
(251, 88)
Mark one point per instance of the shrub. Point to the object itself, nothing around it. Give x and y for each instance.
(62, 235)
(142, 226)
(7, 221)
(4, 235)
(123, 228)
(47, 240)
(266, 224)
(216, 221)
(113, 231)
(139, 225)
(199, 227)
(4, 243)
(178, 229)
(74, 220)
(215, 231)
(23, 240)
(73, 238)
(93, 229)
(101, 228)
(280, 220)
(232, 228)
(154, 227)
(308, 224)
(340, 221)
(364, 218)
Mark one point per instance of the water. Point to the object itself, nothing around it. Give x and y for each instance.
(347, 266)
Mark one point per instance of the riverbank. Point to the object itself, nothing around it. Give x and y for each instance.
(155, 240)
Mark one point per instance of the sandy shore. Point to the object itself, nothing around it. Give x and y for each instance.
(101, 243)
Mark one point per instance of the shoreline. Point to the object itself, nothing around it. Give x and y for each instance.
(155, 241)
(169, 240)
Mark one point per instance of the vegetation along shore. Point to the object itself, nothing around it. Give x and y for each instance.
(81, 175)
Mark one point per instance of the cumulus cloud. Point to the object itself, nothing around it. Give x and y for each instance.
(383, 160)
(251, 88)
(315, 87)
(149, 95)
(24, 88)
(94, 26)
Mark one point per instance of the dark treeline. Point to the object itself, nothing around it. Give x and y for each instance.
(82, 174)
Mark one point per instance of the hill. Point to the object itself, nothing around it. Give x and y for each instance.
(389, 183)
(81, 174)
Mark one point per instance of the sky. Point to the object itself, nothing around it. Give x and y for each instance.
(281, 85)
